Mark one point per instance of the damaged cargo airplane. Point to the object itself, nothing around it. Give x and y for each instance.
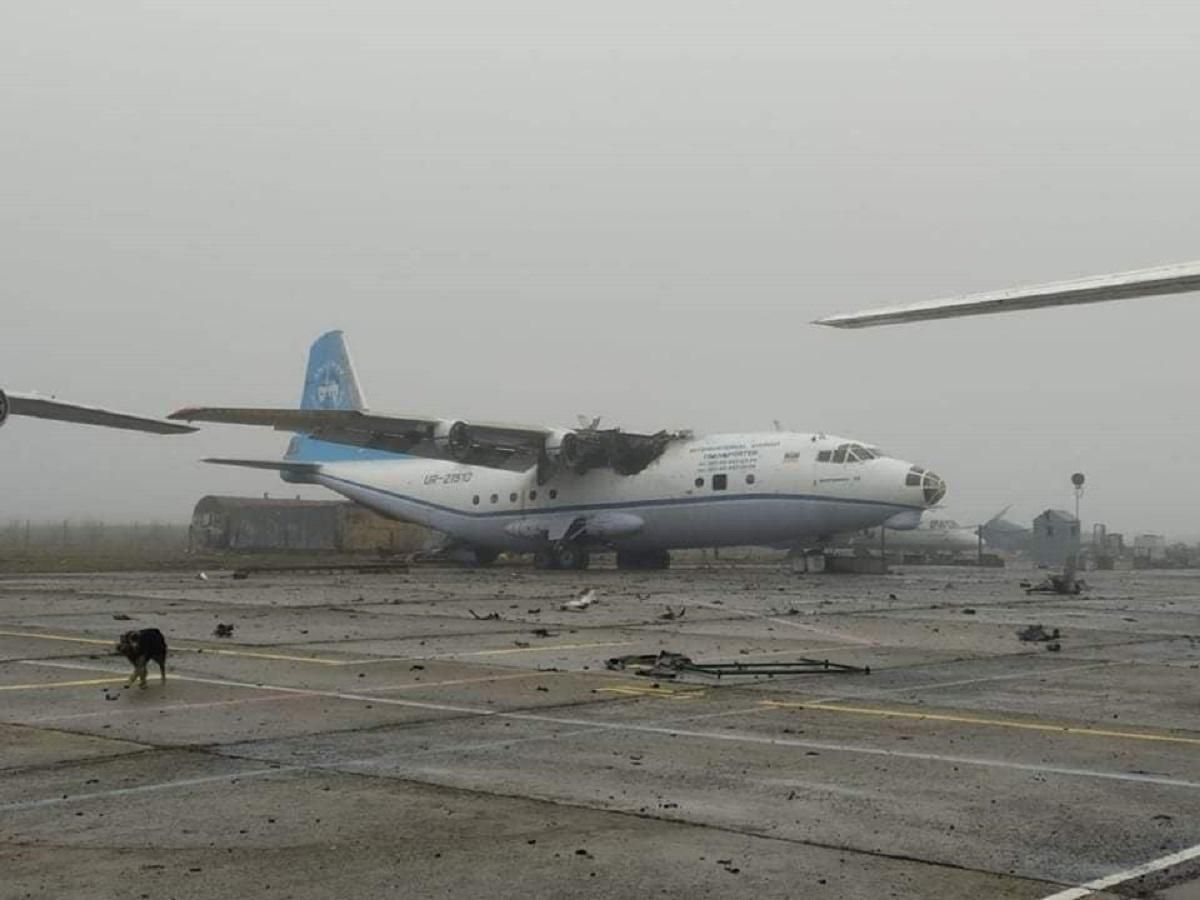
(560, 493)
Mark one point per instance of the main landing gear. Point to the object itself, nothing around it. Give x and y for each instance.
(570, 556)
(644, 559)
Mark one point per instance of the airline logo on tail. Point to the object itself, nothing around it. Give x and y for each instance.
(330, 382)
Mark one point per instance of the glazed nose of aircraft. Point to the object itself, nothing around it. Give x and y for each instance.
(931, 486)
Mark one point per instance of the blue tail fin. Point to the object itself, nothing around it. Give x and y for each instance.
(330, 383)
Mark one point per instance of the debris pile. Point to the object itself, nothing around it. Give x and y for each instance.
(666, 664)
(1036, 633)
(585, 599)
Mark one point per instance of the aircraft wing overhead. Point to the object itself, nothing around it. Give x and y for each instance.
(488, 444)
(39, 407)
(481, 444)
(1175, 279)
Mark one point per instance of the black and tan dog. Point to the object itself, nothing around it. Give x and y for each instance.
(140, 647)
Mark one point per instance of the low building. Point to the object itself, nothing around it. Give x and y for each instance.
(1055, 538)
(1150, 548)
(270, 524)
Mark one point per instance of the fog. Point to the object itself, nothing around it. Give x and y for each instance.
(529, 210)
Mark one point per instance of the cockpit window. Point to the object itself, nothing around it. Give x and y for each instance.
(848, 453)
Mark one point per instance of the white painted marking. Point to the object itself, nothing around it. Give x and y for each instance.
(859, 749)
(339, 695)
(1102, 884)
(172, 707)
(984, 679)
(727, 737)
(145, 788)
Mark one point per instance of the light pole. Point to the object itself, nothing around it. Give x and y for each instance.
(1077, 480)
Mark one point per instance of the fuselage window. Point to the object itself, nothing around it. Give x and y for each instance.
(495, 497)
(912, 479)
(512, 498)
(475, 499)
(553, 493)
(719, 482)
(533, 495)
(839, 455)
(750, 478)
(825, 456)
(699, 482)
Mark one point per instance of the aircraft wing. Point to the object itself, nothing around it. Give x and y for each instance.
(40, 407)
(488, 444)
(1175, 279)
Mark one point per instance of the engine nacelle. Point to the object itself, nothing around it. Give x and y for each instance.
(453, 439)
(904, 521)
(3, 407)
(564, 448)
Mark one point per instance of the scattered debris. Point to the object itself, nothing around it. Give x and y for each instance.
(893, 597)
(1037, 633)
(585, 599)
(1066, 583)
(202, 576)
(521, 643)
(666, 664)
(533, 612)
(1054, 647)
(121, 617)
(492, 616)
(223, 631)
(542, 632)
(968, 611)
(416, 667)
(240, 574)
(670, 614)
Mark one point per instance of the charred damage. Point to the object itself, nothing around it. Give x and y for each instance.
(611, 448)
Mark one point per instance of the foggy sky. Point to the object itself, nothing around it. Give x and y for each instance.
(529, 210)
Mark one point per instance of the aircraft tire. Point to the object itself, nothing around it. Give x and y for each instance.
(545, 559)
(485, 556)
(573, 557)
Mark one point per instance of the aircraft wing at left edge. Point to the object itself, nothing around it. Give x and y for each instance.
(39, 407)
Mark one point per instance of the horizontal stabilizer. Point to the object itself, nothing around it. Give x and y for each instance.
(289, 467)
(1120, 286)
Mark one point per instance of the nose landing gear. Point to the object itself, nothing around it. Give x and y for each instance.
(569, 556)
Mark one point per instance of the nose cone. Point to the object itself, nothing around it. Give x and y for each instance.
(928, 487)
(933, 488)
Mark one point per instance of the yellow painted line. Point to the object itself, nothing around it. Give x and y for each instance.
(485, 679)
(545, 648)
(61, 684)
(217, 651)
(978, 720)
(645, 690)
(57, 637)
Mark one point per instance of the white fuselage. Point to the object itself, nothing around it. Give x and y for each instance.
(719, 490)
